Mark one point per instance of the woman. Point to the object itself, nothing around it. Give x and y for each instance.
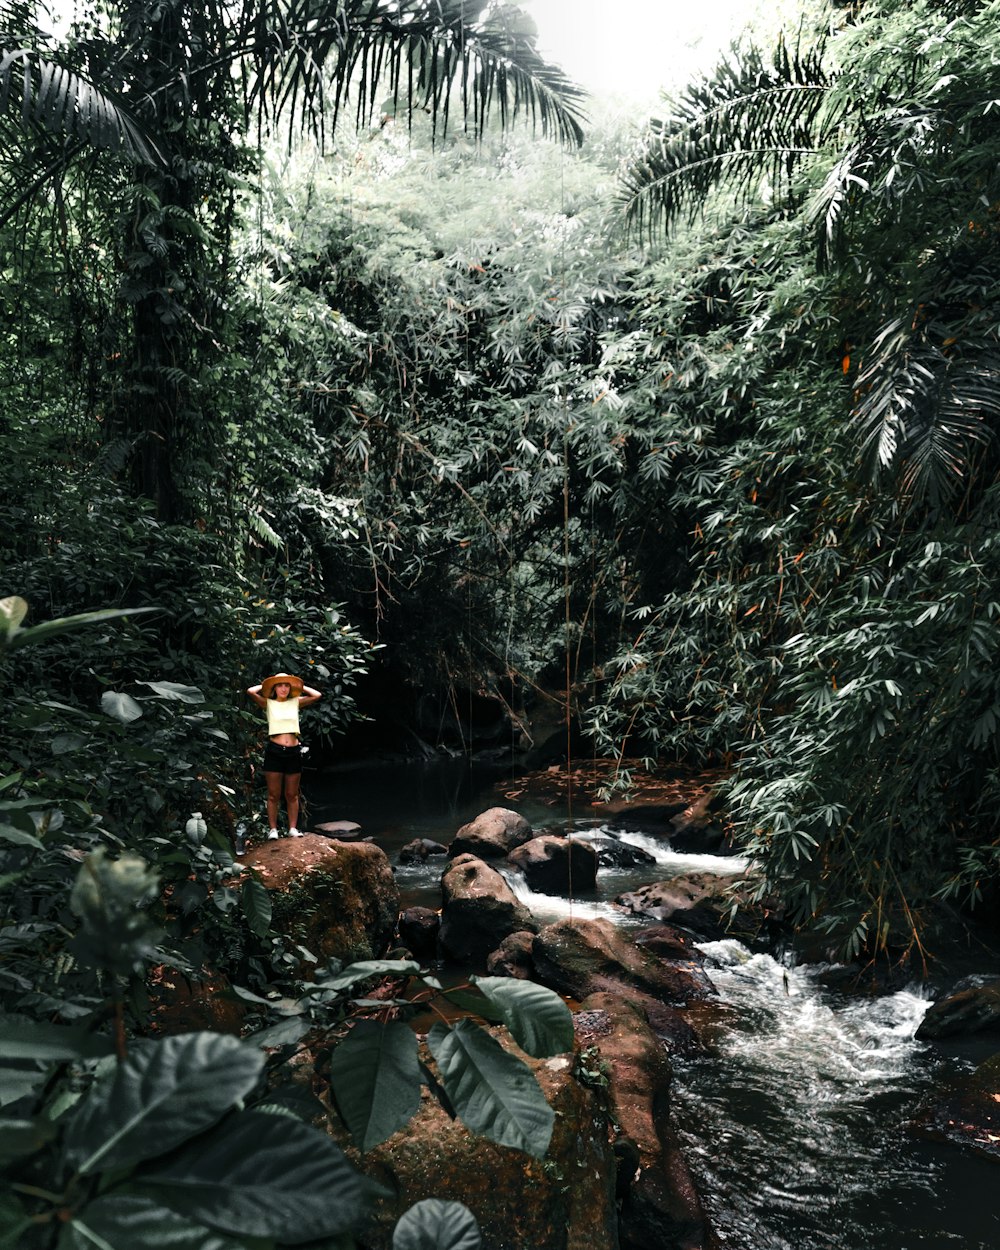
(282, 697)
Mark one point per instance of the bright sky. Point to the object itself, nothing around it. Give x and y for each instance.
(628, 48)
(632, 48)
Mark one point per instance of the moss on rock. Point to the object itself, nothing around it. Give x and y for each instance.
(338, 899)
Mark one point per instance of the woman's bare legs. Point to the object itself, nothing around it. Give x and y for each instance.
(278, 784)
(292, 799)
(274, 784)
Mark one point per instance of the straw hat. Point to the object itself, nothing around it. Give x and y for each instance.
(268, 684)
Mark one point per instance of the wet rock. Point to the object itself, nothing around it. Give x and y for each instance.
(669, 942)
(512, 958)
(612, 853)
(650, 816)
(582, 957)
(479, 910)
(418, 931)
(492, 835)
(660, 1206)
(554, 865)
(420, 850)
(967, 1111)
(969, 1008)
(701, 840)
(564, 1202)
(338, 899)
(696, 900)
(696, 829)
(342, 830)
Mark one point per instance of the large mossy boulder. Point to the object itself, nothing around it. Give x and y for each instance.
(338, 899)
(479, 910)
(563, 1202)
(492, 835)
(554, 865)
(660, 1206)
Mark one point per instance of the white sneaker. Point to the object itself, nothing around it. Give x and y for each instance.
(294, 833)
(272, 836)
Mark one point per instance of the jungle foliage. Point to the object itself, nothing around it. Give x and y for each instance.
(838, 637)
(456, 408)
(150, 440)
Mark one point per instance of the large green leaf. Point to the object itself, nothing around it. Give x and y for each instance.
(174, 690)
(256, 904)
(375, 1079)
(282, 1033)
(68, 624)
(263, 1175)
(475, 1004)
(15, 1222)
(121, 706)
(23, 1137)
(493, 1092)
(365, 968)
(434, 1224)
(165, 1092)
(17, 837)
(136, 1222)
(539, 1020)
(18, 1083)
(22, 1038)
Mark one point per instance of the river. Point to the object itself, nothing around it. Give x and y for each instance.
(795, 1125)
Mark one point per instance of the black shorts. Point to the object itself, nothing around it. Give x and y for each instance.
(280, 759)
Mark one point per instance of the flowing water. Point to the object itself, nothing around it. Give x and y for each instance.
(795, 1126)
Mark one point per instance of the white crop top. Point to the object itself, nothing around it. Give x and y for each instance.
(282, 716)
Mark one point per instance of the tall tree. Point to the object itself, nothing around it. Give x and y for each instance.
(206, 82)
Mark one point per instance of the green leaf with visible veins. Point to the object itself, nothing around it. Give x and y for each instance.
(162, 1094)
(135, 1222)
(493, 1092)
(262, 1175)
(434, 1224)
(538, 1019)
(375, 1080)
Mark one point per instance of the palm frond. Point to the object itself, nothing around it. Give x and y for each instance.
(926, 411)
(312, 57)
(38, 94)
(747, 125)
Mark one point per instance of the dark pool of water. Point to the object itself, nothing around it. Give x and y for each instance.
(396, 802)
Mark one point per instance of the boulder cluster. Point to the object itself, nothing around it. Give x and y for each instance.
(615, 1178)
